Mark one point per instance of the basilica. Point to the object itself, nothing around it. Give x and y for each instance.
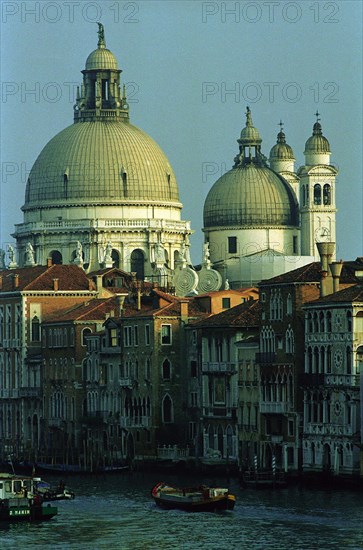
(103, 194)
(114, 347)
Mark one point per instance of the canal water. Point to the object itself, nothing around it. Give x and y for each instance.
(116, 512)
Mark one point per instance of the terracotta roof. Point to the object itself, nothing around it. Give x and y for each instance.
(351, 294)
(70, 277)
(247, 314)
(95, 309)
(311, 273)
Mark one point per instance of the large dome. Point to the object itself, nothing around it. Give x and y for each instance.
(253, 196)
(103, 163)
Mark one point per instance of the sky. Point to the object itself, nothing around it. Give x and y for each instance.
(190, 68)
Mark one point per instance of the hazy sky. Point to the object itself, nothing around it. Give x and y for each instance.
(191, 68)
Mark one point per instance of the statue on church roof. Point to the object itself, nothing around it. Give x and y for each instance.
(101, 35)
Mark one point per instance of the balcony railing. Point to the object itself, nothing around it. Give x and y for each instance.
(137, 422)
(320, 428)
(30, 392)
(274, 407)
(219, 367)
(221, 412)
(172, 452)
(125, 382)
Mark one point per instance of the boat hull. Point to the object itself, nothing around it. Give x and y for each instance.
(201, 499)
(17, 513)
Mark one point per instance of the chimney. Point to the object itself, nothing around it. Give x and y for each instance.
(99, 283)
(15, 280)
(49, 262)
(326, 251)
(120, 302)
(138, 299)
(1, 282)
(336, 269)
(184, 307)
(55, 285)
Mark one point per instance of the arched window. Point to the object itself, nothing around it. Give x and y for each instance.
(289, 305)
(327, 194)
(56, 257)
(35, 329)
(85, 333)
(137, 264)
(167, 409)
(317, 193)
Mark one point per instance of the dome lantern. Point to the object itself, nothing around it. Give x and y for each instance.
(100, 98)
(249, 144)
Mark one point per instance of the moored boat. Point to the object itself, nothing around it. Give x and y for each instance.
(49, 492)
(193, 499)
(19, 501)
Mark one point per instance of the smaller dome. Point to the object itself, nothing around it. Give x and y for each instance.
(317, 143)
(282, 150)
(102, 58)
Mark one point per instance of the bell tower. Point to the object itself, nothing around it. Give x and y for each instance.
(317, 193)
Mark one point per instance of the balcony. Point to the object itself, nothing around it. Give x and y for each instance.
(342, 380)
(229, 411)
(274, 407)
(12, 393)
(125, 382)
(30, 392)
(311, 380)
(55, 422)
(266, 358)
(219, 368)
(140, 422)
(320, 428)
(95, 418)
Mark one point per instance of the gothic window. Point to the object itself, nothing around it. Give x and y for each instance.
(317, 193)
(289, 305)
(327, 194)
(349, 321)
(289, 340)
(35, 329)
(166, 369)
(147, 369)
(193, 369)
(321, 322)
(328, 321)
(147, 335)
(85, 333)
(1, 325)
(349, 360)
(167, 409)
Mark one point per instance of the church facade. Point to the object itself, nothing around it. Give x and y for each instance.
(103, 194)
